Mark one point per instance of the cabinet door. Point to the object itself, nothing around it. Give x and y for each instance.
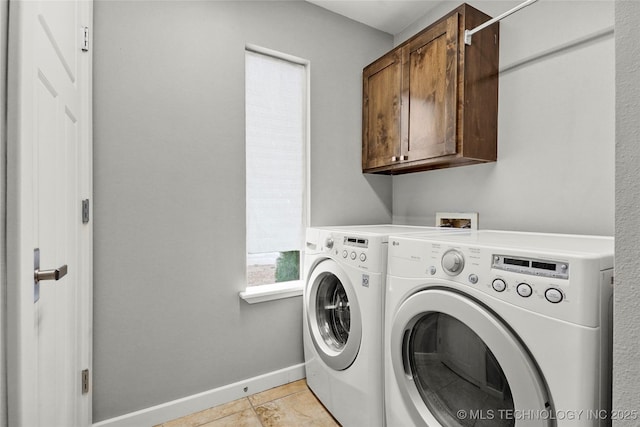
(382, 82)
(430, 84)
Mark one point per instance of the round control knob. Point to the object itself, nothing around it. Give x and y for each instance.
(524, 290)
(363, 257)
(499, 285)
(329, 243)
(353, 255)
(553, 295)
(453, 262)
(473, 278)
(345, 253)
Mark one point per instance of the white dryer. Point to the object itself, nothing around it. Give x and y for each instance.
(345, 274)
(494, 328)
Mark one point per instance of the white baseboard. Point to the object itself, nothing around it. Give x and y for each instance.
(201, 401)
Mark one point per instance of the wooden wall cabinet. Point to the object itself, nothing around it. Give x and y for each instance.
(432, 102)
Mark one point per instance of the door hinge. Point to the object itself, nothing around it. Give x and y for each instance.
(85, 381)
(85, 39)
(85, 211)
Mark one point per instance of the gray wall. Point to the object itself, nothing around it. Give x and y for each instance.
(169, 174)
(555, 169)
(169, 188)
(4, 27)
(626, 369)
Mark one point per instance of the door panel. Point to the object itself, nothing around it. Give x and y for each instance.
(432, 65)
(432, 335)
(56, 309)
(428, 89)
(382, 118)
(333, 315)
(54, 18)
(49, 150)
(454, 369)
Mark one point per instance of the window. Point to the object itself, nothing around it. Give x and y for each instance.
(276, 165)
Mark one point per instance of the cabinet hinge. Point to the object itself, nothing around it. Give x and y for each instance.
(85, 381)
(85, 211)
(85, 39)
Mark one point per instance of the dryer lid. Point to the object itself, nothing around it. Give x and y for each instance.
(453, 359)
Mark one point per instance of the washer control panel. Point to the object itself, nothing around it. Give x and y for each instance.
(363, 252)
(358, 242)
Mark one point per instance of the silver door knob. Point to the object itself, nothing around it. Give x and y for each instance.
(55, 274)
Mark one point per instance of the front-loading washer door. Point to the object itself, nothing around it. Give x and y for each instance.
(457, 364)
(333, 315)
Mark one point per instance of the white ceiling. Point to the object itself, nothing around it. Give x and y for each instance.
(390, 16)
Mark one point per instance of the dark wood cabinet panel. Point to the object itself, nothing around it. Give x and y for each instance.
(432, 101)
(381, 117)
(432, 81)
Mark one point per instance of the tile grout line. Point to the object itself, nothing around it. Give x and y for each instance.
(251, 405)
(225, 416)
(254, 411)
(272, 400)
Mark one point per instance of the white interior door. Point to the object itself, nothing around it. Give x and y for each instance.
(49, 174)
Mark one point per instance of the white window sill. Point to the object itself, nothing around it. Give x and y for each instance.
(262, 293)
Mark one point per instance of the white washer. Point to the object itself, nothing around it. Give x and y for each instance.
(345, 273)
(494, 328)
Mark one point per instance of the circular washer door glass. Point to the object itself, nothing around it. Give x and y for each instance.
(454, 371)
(333, 315)
(333, 312)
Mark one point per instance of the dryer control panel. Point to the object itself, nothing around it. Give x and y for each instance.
(531, 266)
(569, 286)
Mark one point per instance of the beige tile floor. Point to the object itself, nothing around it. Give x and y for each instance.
(292, 404)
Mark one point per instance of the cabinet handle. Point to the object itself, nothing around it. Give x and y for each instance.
(399, 159)
(394, 159)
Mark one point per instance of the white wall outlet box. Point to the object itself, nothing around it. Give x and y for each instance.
(457, 220)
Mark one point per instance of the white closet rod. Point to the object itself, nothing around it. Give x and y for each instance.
(469, 33)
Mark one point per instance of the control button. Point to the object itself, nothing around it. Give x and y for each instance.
(353, 255)
(329, 243)
(345, 254)
(564, 267)
(432, 270)
(553, 295)
(499, 285)
(524, 290)
(473, 278)
(453, 262)
(363, 257)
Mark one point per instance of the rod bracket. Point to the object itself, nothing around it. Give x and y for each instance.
(469, 33)
(467, 37)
